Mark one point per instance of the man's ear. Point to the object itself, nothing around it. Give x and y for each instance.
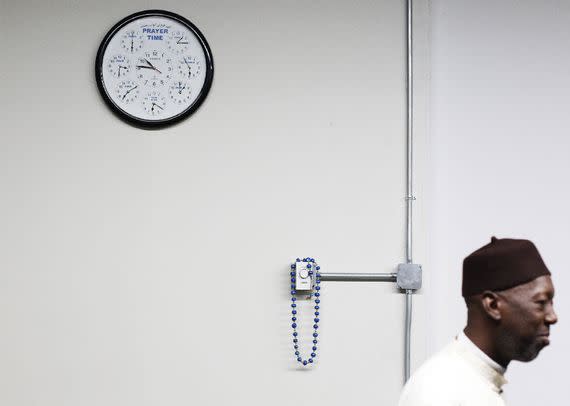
(490, 302)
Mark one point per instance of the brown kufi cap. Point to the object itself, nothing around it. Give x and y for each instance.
(501, 264)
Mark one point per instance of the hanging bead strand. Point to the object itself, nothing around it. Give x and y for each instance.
(313, 268)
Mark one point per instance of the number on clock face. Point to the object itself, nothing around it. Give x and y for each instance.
(157, 67)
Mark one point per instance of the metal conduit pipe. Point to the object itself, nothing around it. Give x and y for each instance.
(359, 277)
(409, 196)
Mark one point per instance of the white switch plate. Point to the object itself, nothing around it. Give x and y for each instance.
(303, 281)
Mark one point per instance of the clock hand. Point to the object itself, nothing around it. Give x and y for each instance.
(154, 104)
(152, 66)
(147, 67)
(182, 43)
(131, 45)
(121, 67)
(128, 91)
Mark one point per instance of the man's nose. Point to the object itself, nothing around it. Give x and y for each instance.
(551, 317)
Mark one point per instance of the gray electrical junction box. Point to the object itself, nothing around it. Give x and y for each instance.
(409, 276)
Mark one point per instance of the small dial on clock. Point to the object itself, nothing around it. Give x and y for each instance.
(154, 103)
(154, 68)
(189, 67)
(127, 91)
(119, 66)
(132, 41)
(179, 92)
(178, 41)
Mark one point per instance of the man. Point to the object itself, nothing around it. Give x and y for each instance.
(508, 292)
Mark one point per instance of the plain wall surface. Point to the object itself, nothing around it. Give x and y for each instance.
(499, 161)
(151, 267)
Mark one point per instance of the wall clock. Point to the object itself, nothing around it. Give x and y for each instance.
(154, 68)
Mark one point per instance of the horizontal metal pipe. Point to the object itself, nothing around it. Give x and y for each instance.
(358, 277)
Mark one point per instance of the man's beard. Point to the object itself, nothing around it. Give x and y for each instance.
(529, 350)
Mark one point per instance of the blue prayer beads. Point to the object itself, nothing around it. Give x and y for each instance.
(312, 264)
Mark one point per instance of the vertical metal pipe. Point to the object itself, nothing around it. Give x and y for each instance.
(409, 294)
(410, 133)
(409, 193)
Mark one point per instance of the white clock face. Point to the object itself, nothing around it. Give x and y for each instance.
(153, 68)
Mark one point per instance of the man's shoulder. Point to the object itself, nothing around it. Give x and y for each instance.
(443, 364)
(439, 379)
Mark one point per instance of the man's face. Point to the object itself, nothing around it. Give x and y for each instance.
(527, 317)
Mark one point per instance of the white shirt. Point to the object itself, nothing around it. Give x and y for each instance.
(459, 375)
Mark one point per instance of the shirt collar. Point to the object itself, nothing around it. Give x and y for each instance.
(463, 339)
(491, 370)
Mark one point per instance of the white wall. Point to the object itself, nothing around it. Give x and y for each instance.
(499, 159)
(151, 268)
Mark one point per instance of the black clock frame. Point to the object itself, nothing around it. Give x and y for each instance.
(141, 122)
